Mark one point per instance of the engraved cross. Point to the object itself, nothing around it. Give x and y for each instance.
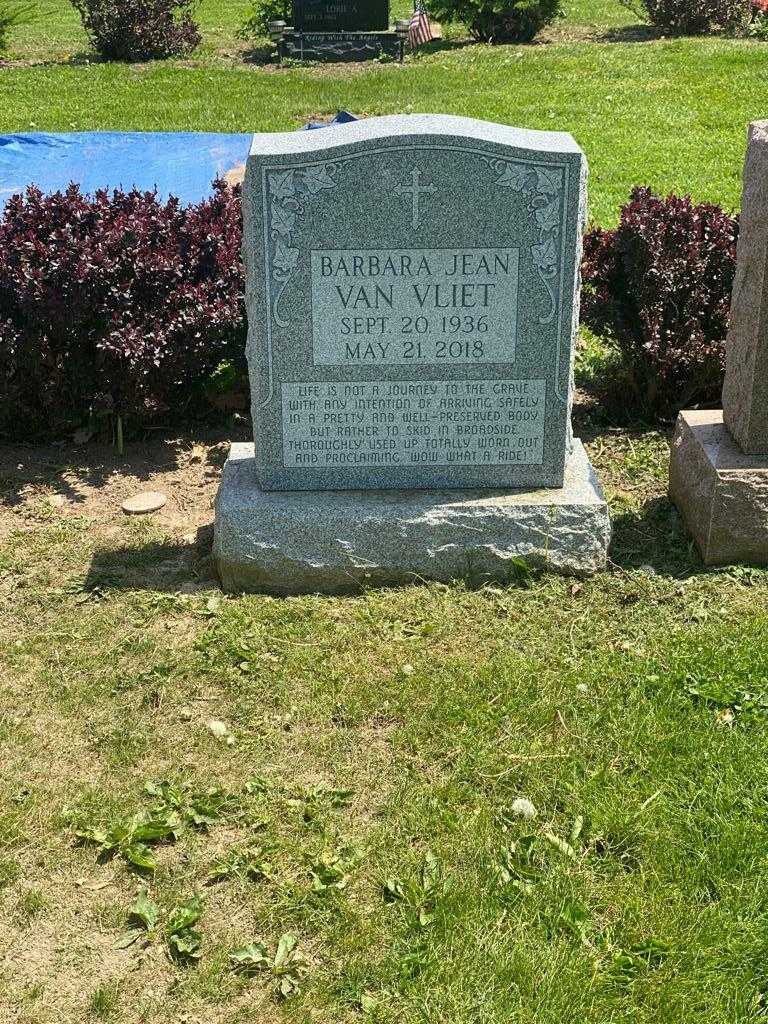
(415, 190)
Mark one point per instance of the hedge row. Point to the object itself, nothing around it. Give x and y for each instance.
(115, 304)
(123, 305)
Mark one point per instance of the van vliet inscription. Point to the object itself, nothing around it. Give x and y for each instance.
(430, 252)
(412, 306)
(414, 423)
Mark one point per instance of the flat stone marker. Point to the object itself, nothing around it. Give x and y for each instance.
(145, 501)
(719, 462)
(412, 286)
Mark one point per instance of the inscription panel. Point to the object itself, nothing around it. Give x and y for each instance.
(340, 15)
(414, 306)
(408, 423)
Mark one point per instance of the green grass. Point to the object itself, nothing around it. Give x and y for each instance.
(437, 707)
(630, 709)
(668, 113)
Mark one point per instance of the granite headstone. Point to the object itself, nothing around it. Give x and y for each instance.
(340, 15)
(719, 462)
(413, 293)
(745, 392)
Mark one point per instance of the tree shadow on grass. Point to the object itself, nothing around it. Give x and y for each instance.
(164, 567)
(261, 55)
(76, 473)
(446, 45)
(628, 34)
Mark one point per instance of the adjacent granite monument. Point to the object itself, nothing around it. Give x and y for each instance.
(719, 467)
(412, 291)
(339, 30)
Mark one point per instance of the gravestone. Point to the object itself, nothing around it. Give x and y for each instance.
(745, 392)
(341, 15)
(340, 30)
(719, 462)
(412, 291)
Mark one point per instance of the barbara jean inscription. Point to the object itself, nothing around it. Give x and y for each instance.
(410, 423)
(414, 306)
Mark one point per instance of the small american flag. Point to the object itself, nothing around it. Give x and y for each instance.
(419, 30)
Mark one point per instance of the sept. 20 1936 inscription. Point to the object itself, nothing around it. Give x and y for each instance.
(414, 306)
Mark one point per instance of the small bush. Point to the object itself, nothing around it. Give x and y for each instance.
(499, 21)
(660, 285)
(136, 30)
(12, 16)
(115, 304)
(259, 15)
(758, 27)
(694, 17)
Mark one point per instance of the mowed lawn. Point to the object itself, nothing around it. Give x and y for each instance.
(668, 113)
(348, 771)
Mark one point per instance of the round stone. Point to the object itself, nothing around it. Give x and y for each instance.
(146, 501)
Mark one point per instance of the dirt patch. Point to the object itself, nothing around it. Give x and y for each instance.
(94, 480)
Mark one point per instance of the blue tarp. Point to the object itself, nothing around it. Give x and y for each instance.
(182, 164)
(179, 163)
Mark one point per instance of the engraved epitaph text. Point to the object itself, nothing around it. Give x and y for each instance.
(410, 423)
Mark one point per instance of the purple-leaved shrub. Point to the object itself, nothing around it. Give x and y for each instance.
(117, 302)
(137, 30)
(660, 285)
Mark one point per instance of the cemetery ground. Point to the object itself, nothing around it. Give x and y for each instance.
(346, 769)
(355, 771)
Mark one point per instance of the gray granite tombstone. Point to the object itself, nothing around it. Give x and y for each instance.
(745, 392)
(719, 463)
(412, 292)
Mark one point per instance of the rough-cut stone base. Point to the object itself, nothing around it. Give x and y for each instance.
(721, 493)
(293, 542)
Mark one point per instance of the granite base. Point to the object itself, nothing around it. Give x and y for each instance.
(296, 542)
(722, 494)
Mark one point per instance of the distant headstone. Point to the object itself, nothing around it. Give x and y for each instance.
(340, 15)
(412, 291)
(719, 464)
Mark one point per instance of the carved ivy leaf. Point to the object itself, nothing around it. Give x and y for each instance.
(317, 178)
(545, 254)
(283, 221)
(285, 259)
(513, 176)
(282, 185)
(547, 217)
(548, 181)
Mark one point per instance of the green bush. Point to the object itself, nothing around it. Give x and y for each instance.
(694, 17)
(139, 30)
(499, 21)
(260, 13)
(11, 16)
